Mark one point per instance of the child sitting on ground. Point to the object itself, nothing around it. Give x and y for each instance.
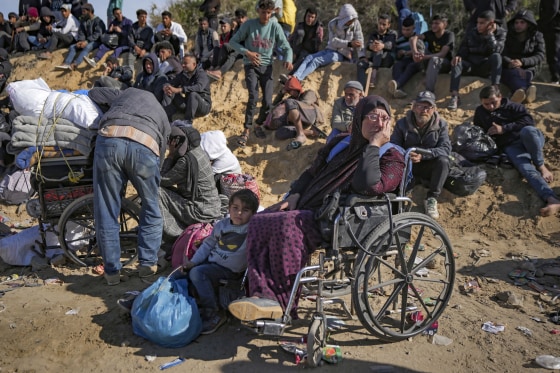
(222, 256)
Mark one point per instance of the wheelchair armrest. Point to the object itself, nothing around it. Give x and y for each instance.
(353, 199)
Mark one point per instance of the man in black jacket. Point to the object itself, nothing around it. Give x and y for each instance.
(501, 9)
(139, 38)
(522, 57)
(424, 128)
(549, 25)
(513, 129)
(130, 146)
(479, 54)
(194, 84)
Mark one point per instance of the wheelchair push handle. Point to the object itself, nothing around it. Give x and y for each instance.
(423, 152)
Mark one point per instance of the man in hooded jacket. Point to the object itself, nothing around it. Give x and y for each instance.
(522, 56)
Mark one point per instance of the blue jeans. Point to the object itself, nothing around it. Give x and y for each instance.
(206, 277)
(118, 160)
(316, 60)
(517, 78)
(84, 52)
(404, 69)
(526, 155)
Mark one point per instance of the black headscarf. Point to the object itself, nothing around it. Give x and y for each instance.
(189, 138)
(338, 173)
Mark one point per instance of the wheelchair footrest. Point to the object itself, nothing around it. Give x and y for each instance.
(267, 327)
(328, 301)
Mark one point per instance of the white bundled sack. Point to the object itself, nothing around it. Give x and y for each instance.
(18, 249)
(223, 161)
(78, 109)
(29, 96)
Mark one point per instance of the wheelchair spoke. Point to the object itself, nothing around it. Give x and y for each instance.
(415, 249)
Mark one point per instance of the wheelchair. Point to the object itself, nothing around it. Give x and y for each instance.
(398, 266)
(64, 206)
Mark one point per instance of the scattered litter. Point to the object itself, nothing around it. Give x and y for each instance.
(2, 307)
(490, 327)
(555, 317)
(440, 340)
(73, 311)
(537, 287)
(177, 361)
(525, 331)
(517, 273)
(548, 361)
(150, 358)
(510, 298)
(432, 329)
(471, 286)
(555, 331)
(53, 281)
(537, 319)
(332, 354)
(299, 353)
(98, 269)
(58, 260)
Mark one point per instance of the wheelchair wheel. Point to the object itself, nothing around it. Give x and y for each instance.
(401, 289)
(315, 341)
(76, 228)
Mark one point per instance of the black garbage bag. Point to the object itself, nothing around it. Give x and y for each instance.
(464, 177)
(472, 142)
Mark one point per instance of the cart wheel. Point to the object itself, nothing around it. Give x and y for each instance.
(405, 279)
(76, 228)
(315, 341)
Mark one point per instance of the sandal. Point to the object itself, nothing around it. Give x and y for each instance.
(259, 132)
(293, 145)
(242, 140)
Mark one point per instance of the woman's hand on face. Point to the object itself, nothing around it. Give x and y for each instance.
(382, 136)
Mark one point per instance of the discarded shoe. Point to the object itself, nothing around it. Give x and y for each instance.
(250, 309)
(63, 67)
(215, 75)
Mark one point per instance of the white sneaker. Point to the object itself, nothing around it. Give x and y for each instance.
(392, 88)
(63, 67)
(531, 93)
(518, 96)
(90, 61)
(430, 208)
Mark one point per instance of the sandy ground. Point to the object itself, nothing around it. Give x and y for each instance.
(501, 219)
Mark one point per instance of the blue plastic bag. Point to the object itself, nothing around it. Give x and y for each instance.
(166, 314)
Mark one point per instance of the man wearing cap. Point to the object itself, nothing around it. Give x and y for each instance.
(226, 56)
(64, 32)
(300, 110)
(343, 108)
(130, 146)
(89, 38)
(25, 27)
(172, 32)
(422, 127)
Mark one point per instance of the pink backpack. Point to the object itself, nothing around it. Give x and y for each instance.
(188, 242)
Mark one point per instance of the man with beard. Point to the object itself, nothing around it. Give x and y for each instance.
(343, 108)
(424, 128)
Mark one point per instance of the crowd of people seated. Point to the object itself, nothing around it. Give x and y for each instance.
(166, 163)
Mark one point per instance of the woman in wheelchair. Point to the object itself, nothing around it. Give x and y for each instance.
(280, 240)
